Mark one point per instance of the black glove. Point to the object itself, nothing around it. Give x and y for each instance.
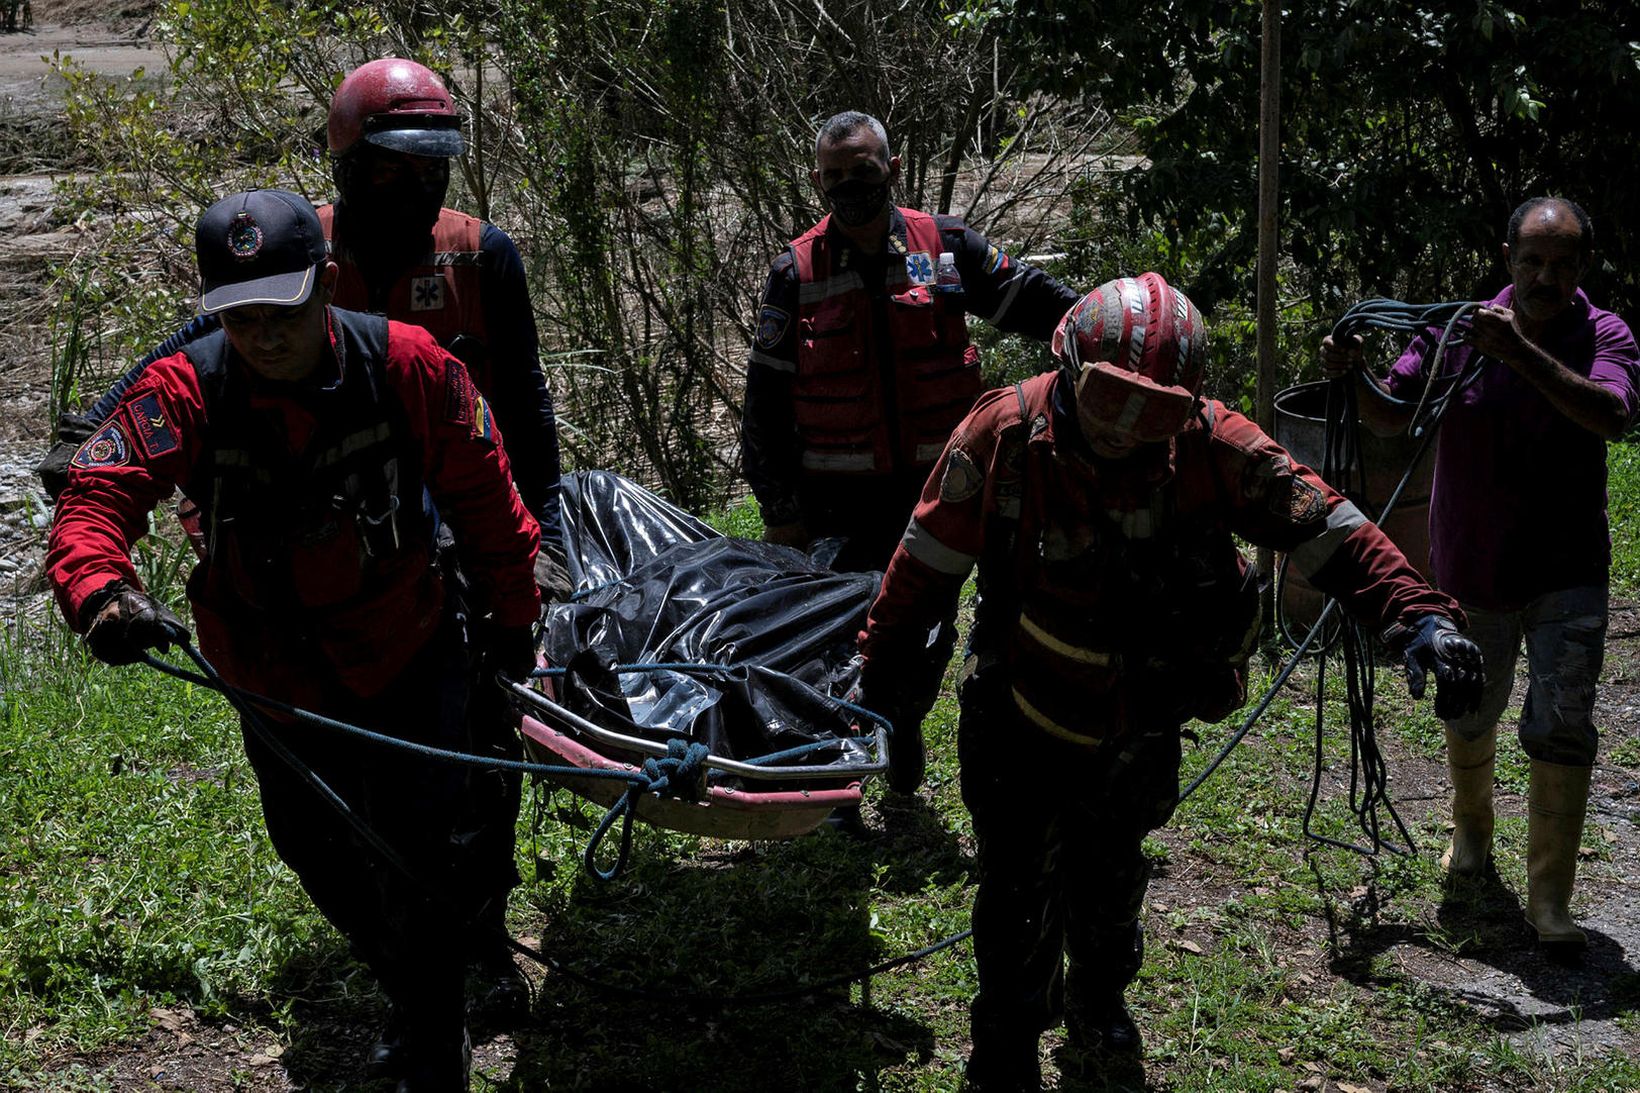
(879, 691)
(552, 575)
(509, 650)
(1432, 644)
(73, 430)
(124, 622)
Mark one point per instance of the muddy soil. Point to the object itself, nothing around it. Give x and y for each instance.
(1497, 971)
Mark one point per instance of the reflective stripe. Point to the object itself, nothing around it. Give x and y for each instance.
(921, 544)
(355, 442)
(838, 461)
(777, 363)
(455, 258)
(1341, 521)
(927, 453)
(1052, 727)
(1065, 649)
(810, 292)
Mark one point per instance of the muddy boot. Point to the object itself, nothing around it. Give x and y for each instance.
(1470, 763)
(386, 1056)
(1559, 797)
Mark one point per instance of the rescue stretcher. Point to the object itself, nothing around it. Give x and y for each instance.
(678, 634)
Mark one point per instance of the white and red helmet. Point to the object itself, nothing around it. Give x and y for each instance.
(395, 104)
(1135, 349)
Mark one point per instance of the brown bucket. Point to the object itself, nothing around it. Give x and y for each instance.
(1300, 427)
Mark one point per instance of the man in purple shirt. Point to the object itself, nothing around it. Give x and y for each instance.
(1518, 531)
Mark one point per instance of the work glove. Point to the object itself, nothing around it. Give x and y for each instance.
(125, 622)
(552, 575)
(1432, 644)
(507, 650)
(880, 691)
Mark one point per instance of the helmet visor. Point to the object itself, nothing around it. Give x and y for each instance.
(416, 134)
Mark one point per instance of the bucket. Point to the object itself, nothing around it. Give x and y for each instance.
(1300, 427)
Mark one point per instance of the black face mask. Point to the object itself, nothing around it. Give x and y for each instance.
(855, 201)
(392, 219)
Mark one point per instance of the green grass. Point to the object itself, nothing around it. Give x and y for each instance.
(135, 874)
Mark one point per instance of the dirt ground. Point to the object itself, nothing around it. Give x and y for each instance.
(1501, 975)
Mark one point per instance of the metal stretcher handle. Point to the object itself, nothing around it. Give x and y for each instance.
(527, 696)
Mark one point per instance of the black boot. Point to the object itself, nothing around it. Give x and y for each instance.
(1097, 1036)
(500, 993)
(1003, 1064)
(433, 1067)
(386, 1057)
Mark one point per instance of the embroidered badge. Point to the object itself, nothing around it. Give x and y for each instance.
(107, 448)
(994, 260)
(962, 479)
(919, 268)
(427, 293)
(244, 237)
(1305, 502)
(458, 395)
(771, 326)
(153, 432)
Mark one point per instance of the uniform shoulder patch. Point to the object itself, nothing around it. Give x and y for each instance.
(483, 419)
(108, 447)
(154, 434)
(772, 323)
(994, 260)
(1305, 502)
(458, 394)
(962, 478)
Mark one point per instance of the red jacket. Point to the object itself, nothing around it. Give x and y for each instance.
(324, 599)
(869, 399)
(1112, 596)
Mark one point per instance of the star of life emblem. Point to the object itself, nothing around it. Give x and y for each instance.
(427, 293)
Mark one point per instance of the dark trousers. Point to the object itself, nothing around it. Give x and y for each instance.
(488, 833)
(1061, 874)
(405, 929)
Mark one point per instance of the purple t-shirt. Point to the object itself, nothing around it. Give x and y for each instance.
(1518, 507)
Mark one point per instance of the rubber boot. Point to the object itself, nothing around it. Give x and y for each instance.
(1470, 764)
(1559, 797)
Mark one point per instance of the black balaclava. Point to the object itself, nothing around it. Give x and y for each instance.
(383, 226)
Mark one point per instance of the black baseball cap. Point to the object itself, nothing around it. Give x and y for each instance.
(258, 247)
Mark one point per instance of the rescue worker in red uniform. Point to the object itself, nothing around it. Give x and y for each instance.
(308, 436)
(861, 364)
(1099, 503)
(392, 131)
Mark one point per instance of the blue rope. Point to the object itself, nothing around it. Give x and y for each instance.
(681, 768)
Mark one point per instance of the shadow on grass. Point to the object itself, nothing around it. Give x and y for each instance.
(1481, 920)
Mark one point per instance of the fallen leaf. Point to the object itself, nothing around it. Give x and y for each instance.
(259, 1059)
(1587, 852)
(1186, 945)
(1313, 1067)
(1312, 1082)
(169, 1020)
(1285, 1054)
(1351, 1087)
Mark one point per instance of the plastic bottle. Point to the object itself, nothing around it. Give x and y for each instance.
(947, 279)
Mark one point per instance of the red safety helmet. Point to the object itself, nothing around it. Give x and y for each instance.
(1135, 349)
(395, 104)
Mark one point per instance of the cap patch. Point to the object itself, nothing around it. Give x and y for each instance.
(108, 447)
(153, 432)
(244, 237)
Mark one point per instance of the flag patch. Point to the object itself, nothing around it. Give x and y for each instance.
(483, 420)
